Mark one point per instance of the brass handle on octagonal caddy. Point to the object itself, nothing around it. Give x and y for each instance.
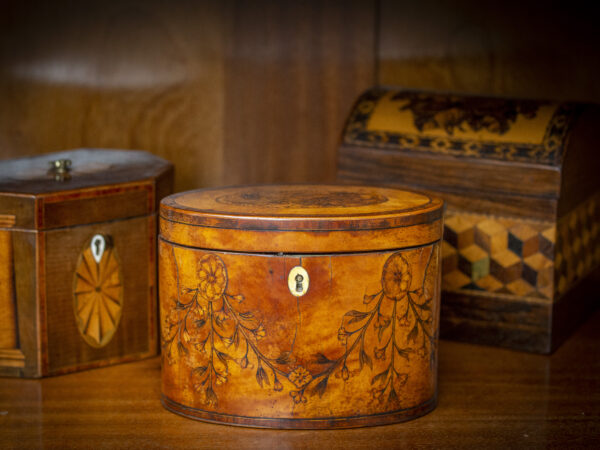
(60, 168)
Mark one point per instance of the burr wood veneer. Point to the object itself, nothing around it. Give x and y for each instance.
(300, 306)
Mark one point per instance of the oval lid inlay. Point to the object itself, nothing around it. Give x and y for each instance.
(293, 207)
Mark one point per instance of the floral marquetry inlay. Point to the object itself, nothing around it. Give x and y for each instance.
(98, 292)
(216, 334)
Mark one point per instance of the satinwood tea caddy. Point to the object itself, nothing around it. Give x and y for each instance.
(300, 306)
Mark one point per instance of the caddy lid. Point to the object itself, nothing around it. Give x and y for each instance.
(80, 186)
(301, 218)
(505, 155)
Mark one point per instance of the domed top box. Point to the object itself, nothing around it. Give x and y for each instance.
(300, 306)
(77, 259)
(520, 178)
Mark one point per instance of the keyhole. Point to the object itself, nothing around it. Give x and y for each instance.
(97, 246)
(299, 280)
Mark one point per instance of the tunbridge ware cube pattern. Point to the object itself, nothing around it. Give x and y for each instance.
(520, 179)
(504, 256)
(520, 258)
(578, 245)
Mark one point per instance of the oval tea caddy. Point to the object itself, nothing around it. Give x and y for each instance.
(300, 306)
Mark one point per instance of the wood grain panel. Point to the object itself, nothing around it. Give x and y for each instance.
(229, 91)
(18, 211)
(133, 337)
(121, 203)
(8, 313)
(28, 321)
(528, 191)
(513, 48)
(294, 70)
(579, 175)
(133, 74)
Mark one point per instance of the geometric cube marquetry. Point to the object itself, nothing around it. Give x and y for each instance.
(523, 240)
(547, 241)
(521, 182)
(474, 262)
(489, 283)
(577, 245)
(449, 258)
(459, 231)
(538, 271)
(454, 280)
(491, 235)
(497, 252)
(506, 266)
(520, 287)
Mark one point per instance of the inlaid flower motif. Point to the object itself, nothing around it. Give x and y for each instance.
(211, 397)
(298, 396)
(197, 315)
(396, 277)
(277, 386)
(404, 321)
(300, 376)
(260, 332)
(212, 277)
(380, 353)
(170, 321)
(213, 331)
(345, 373)
(402, 379)
(343, 335)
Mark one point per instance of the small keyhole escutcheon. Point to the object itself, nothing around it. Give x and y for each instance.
(298, 281)
(97, 247)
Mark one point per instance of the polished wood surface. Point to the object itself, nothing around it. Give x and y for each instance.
(510, 48)
(85, 168)
(488, 397)
(357, 347)
(68, 346)
(330, 322)
(231, 92)
(445, 176)
(8, 322)
(235, 92)
(101, 185)
(58, 314)
(301, 219)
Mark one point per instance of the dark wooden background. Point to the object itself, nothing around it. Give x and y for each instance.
(247, 92)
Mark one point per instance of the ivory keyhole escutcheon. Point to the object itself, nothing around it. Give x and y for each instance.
(298, 281)
(97, 246)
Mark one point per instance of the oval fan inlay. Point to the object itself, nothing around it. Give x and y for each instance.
(98, 292)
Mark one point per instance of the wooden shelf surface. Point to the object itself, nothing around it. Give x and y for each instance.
(488, 398)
